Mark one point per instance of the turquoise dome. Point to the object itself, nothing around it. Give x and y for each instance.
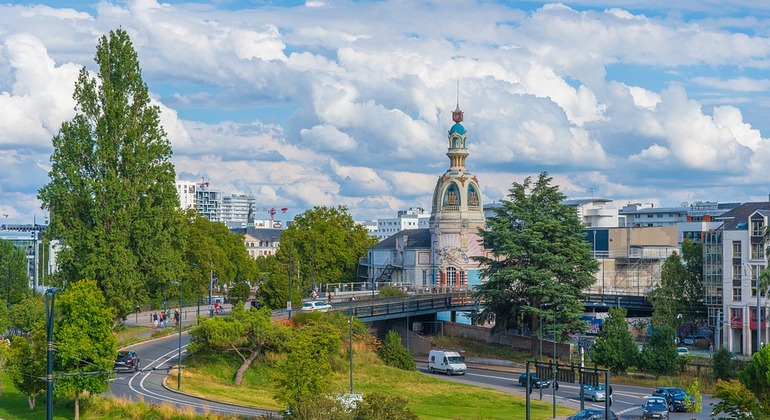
(457, 128)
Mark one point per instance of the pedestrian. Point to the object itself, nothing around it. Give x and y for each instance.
(155, 320)
(313, 295)
(711, 347)
(163, 319)
(329, 294)
(176, 317)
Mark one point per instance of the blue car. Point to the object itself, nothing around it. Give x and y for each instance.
(675, 397)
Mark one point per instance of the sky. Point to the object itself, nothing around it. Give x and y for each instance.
(338, 102)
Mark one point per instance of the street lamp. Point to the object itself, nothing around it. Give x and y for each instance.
(49, 354)
(179, 349)
(352, 299)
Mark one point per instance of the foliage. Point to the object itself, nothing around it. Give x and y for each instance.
(306, 372)
(394, 354)
(723, 365)
(274, 283)
(113, 407)
(659, 355)
(696, 404)
(249, 333)
(756, 377)
(5, 320)
(13, 273)
(320, 408)
(84, 341)
(27, 365)
(390, 291)
(377, 406)
(324, 244)
(27, 315)
(736, 401)
(614, 347)
(538, 255)
(111, 194)
(239, 293)
(678, 299)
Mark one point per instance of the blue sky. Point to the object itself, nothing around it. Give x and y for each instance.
(328, 102)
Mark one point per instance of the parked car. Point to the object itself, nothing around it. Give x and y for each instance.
(655, 408)
(534, 381)
(683, 351)
(592, 414)
(691, 339)
(594, 393)
(675, 397)
(127, 361)
(316, 305)
(448, 361)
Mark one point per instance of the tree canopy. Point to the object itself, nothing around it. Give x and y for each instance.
(659, 355)
(614, 347)
(678, 299)
(111, 194)
(13, 273)
(539, 255)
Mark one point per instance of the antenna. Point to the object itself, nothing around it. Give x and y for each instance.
(458, 92)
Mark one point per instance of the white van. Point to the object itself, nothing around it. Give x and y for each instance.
(447, 361)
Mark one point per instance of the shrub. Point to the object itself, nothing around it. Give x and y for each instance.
(723, 365)
(394, 354)
(390, 291)
(382, 407)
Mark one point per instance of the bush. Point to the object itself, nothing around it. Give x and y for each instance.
(723, 365)
(394, 354)
(390, 291)
(382, 407)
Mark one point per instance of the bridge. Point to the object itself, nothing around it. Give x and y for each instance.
(369, 309)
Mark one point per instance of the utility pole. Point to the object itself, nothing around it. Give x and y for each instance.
(717, 330)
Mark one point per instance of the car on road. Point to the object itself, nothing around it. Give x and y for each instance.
(655, 408)
(675, 397)
(316, 305)
(592, 414)
(690, 339)
(683, 351)
(594, 393)
(127, 361)
(534, 381)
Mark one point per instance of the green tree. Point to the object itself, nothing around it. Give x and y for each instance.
(26, 365)
(390, 291)
(614, 347)
(324, 245)
(249, 333)
(756, 377)
(678, 299)
(273, 281)
(13, 273)
(394, 354)
(378, 406)
(539, 255)
(28, 315)
(737, 402)
(659, 355)
(239, 293)
(111, 194)
(306, 373)
(85, 345)
(696, 404)
(723, 365)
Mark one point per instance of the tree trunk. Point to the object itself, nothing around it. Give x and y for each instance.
(242, 369)
(31, 402)
(77, 405)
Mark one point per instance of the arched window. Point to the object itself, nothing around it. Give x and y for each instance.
(473, 196)
(451, 199)
(451, 276)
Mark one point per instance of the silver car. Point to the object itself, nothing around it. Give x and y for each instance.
(594, 393)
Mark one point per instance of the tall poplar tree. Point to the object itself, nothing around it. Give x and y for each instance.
(539, 256)
(111, 194)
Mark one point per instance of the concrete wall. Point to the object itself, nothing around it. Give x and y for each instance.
(516, 342)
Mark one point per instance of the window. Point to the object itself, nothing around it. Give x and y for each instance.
(753, 292)
(757, 227)
(424, 277)
(737, 294)
(757, 251)
(451, 276)
(736, 249)
(737, 272)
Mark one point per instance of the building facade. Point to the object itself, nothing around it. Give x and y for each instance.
(413, 218)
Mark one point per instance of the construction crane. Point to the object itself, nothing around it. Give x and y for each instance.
(272, 211)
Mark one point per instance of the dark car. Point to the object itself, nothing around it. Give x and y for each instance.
(592, 414)
(655, 408)
(534, 381)
(127, 361)
(675, 397)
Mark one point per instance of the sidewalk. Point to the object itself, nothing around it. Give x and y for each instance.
(189, 315)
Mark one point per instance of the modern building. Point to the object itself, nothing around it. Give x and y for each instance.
(413, 218)
(744, 312)
(442, 254)
(594, 212)
(185, 190)
(28, 238)
(238, 210)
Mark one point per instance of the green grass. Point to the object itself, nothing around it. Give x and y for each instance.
(428, 397)
(13, 405)
(133, 334)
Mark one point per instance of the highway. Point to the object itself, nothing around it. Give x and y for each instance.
(157, 357)
(627, 400)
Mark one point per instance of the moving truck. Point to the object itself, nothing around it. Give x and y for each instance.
(448, 361)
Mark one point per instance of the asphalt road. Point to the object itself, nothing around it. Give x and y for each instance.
(157, 357)
(627, 400)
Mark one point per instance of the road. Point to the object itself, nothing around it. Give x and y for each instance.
(627, 400)
(157, 357)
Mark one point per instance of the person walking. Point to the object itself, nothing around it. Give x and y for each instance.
(155, 320)
(176, 317)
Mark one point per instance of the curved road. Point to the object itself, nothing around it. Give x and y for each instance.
(157, 357)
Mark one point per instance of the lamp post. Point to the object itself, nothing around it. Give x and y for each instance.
(352, 299)
(49, 353)
(179, 349)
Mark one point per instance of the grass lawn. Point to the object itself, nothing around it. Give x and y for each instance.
(132, 334)
(13, 405)
(428, 397)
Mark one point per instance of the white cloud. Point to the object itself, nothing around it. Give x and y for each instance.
(739, 84)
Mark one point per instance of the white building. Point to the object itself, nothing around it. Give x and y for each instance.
(594, 212)
(185, 190)
(414, 218)
(744, 257)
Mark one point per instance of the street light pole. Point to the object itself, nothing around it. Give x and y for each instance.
(49, 354)
(179, 351)
(352, 299)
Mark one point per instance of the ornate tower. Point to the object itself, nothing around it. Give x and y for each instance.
(457, 214)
